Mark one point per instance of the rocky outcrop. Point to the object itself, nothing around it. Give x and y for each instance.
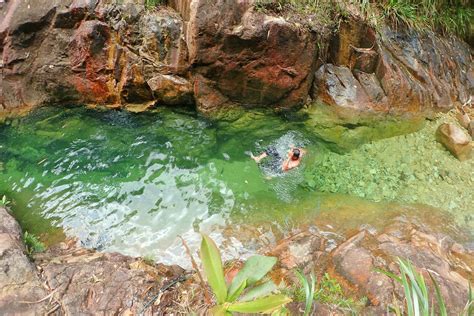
(69, 280)
(354, 261)
(246, 57)
(394, 72)
(21, 290)
(86, 51)
(105, 53)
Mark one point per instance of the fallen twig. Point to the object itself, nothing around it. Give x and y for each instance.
(41, 300)
(179, 279)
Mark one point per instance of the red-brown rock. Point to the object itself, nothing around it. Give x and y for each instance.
(171, 90)
(249, 58)
(456, 140)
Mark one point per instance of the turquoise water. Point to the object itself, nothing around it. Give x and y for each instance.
(133, 182)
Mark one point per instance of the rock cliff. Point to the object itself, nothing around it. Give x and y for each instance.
(213, 55)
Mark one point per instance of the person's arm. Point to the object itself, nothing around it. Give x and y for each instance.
(286, 164)
(259, 157)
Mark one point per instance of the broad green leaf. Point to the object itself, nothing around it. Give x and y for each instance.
(212, 263)
(236, 294)
(259, 291)
(263, 305)
(255, 268)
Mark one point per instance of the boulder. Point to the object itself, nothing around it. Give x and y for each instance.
(171, 90)
(85, 281)
(75, 280)
(21, 289)
(248, 57)
(455, 139)
(395, 71)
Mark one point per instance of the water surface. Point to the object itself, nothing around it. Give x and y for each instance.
(134, 182)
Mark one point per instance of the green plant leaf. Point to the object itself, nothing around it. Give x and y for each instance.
(232, 297)
(212, 263)
(218, 310)
(255, 268)
(390, 275)
(439, 298)
(263, 305)
(281, 312)
(308, 290)
(259, 291)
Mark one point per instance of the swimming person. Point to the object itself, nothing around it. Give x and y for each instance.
(293, 160)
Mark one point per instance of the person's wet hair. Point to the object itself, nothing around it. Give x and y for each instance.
(296, 154)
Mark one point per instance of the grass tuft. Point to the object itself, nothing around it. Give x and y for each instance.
(32, 243)
(443, 16)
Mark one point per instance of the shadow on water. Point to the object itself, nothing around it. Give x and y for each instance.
(133, 182)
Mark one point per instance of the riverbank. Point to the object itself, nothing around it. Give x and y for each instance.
(68, 279)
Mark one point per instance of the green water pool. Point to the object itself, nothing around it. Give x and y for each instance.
(134, 182)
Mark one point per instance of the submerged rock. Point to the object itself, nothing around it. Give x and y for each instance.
(455, 139)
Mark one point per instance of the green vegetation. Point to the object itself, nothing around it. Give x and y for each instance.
(309, 289)
(4, 201)
(417, 295)
(153, 3)
(257, 297)
(33, 244)
(148, 259)
(444, 16)
(328, 291)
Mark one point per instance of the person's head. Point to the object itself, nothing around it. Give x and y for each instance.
(296, 154)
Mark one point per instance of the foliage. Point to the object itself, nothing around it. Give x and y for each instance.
(153, 3)
(32, 243)
(417, 295)
(309, 285)
(4, 201)
(250, 279)
(445, 16)
(329, 291)
(149, 260)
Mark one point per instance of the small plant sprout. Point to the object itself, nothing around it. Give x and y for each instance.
(4, 201)
(309, 286)
(248, 292)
